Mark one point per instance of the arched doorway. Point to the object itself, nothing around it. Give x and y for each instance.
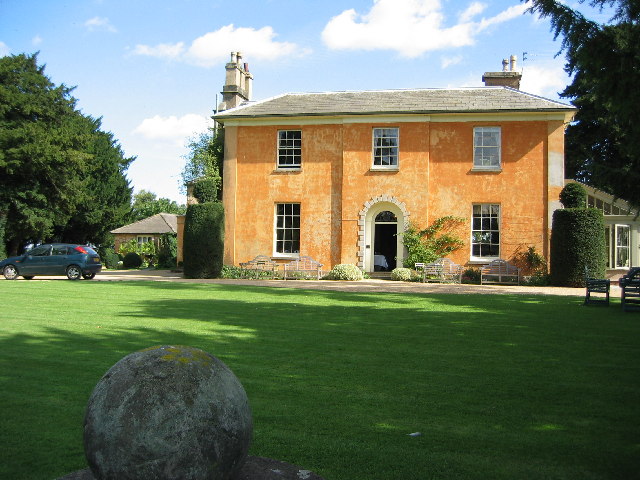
(385, 229)
(384, 250)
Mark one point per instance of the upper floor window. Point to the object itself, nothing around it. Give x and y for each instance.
(486, 148)
(385, 147)
(142, 239)
(289, 148)
(485, 231)
(287, 231)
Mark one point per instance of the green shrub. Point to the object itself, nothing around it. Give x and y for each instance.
(577, 240)
(471, 276)
(168, 251)
(132, 260)
(573, 195)
(401, 273)
(345, 271)
(109, 257)
(206, 190)
(204, 240)
(3, 223)
(231, 271)
(433, 242)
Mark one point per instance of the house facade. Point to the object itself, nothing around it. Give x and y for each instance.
(148, 229)
(339, 176)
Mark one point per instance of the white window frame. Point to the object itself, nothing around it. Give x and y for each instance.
(385, 133)
(285, 229)
(489, 224)
(617, 248)
(483, 144)
(142, 239)
(289, 148)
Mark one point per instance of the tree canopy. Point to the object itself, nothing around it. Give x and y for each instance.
(146, 204)
(61, 177)
(603, 145)
(205, 158)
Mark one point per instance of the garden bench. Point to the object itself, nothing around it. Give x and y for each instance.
(596, 285)
(500, 271)
(442, 270)
(255, 268)
(630, 290)
(305, 265)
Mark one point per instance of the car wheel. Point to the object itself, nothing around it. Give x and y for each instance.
(88, 276)
(28, 277)
(10, 272)
(74, 272)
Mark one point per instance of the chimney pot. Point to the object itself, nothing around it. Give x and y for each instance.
(505, 65)
(513, 63)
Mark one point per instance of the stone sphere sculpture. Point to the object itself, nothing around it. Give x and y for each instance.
(168, 412)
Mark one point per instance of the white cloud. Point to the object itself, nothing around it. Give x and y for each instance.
(476, 8)
(4, 49)
(162, 50)
(410, 27)
(448, 61)
(100, 24)
(214, 47)
(172, 128)
(546, 80)
(37, 40)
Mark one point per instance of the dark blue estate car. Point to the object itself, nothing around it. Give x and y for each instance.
(72, 260)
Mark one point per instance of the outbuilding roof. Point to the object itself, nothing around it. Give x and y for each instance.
(419, 101)
(158, 224)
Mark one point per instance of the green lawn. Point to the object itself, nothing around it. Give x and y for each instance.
(500, 386)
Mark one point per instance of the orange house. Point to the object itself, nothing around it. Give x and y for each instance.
(339, 176)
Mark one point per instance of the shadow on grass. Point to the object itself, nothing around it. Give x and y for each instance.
(499, 386)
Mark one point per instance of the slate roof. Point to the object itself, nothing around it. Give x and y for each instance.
(421, 101)
(158, 224)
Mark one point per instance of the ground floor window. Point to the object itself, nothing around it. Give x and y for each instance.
(287, 228)
(485, 231)
(617, 240)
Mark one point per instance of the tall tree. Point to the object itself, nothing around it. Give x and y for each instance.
(205, 158)
(48, 158)
(146, 204)
(603, 145)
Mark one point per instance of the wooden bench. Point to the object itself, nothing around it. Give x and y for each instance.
(596, 285)
(500, 271)
(260, 267)
(630, 290)
(303, 267)
(442, 270)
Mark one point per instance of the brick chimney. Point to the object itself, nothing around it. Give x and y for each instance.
(237, 87)
(508, 77)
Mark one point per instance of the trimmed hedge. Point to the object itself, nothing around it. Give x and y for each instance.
(132, 260)
(203, 240)
(577, 240)
(206, 190)
(573, 195)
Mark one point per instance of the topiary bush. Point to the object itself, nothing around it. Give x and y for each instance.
(109, 257)
(168, 251)
(577, 240)
(131, 260)
(401, 273)
(345, 271)
(573, 195)
(206, 190)
(203, 240)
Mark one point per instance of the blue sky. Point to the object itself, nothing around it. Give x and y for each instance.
(152, 68)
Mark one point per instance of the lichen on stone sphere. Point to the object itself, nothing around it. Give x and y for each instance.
(168, 412)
